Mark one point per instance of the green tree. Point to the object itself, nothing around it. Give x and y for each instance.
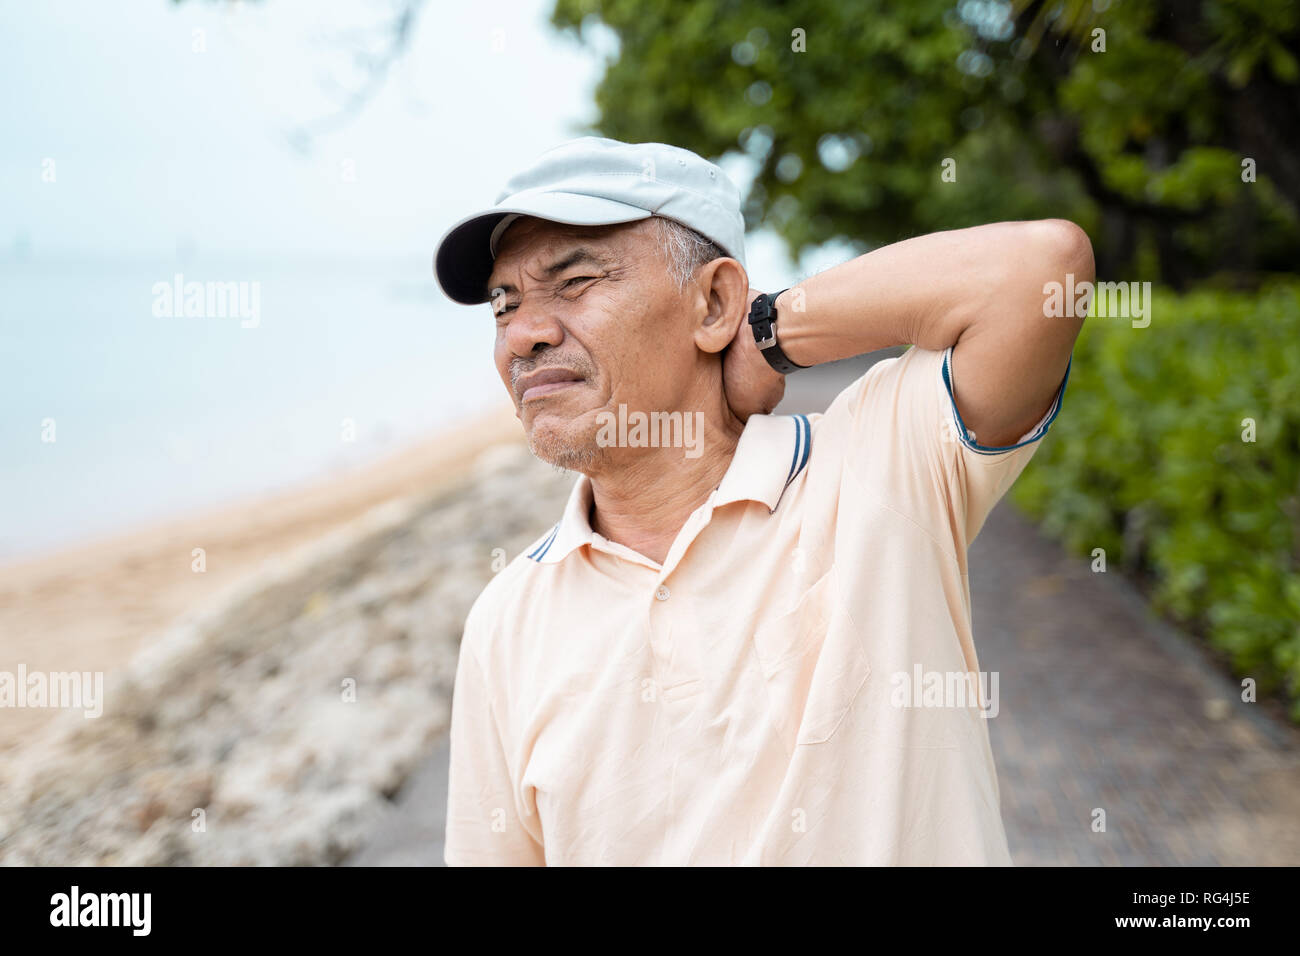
(852, 112)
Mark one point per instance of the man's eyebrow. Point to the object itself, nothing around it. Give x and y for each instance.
(578, 256)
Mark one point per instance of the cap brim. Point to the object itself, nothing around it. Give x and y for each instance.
(463, 259)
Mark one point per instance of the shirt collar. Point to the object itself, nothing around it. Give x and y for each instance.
(771, 452)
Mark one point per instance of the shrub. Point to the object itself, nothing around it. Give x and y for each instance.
(1149, 460)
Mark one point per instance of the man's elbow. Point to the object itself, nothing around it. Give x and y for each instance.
(1066, 274)
(1066, 250)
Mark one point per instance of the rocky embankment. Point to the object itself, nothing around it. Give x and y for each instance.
(273, 726)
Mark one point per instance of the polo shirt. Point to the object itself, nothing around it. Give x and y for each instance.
(757, 698)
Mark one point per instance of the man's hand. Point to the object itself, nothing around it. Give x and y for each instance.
(751, 386)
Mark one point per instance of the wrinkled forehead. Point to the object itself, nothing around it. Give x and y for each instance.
(543, 247)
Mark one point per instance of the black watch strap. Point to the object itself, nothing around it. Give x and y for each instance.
(762, 319)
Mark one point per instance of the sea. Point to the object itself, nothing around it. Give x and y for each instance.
(122, 403)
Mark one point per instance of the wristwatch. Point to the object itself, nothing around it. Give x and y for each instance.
(762, 319)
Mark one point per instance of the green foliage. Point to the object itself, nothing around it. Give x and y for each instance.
(1147, 460)
(1141, 143)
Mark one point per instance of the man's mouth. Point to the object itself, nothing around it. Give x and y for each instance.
(537, 391)
(546, 382)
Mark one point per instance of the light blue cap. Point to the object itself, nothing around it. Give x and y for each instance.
(594, 181)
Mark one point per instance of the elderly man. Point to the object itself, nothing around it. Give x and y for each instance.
(746, 655)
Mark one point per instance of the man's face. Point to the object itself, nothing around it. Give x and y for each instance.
(596, 304)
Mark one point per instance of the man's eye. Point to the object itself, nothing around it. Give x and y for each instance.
(567, 283)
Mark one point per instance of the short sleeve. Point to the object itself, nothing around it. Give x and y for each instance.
(483, 822)
(904, 442)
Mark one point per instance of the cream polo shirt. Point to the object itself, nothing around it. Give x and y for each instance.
(765, 696)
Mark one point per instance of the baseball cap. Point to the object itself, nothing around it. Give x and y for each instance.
(593, 181)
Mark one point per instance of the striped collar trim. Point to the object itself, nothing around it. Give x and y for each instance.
(772, 452)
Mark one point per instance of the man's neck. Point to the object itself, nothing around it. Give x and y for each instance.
(642, 502)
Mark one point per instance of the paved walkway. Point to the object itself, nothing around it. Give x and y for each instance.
(1101, 707)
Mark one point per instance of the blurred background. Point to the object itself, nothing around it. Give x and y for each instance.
(260, 511)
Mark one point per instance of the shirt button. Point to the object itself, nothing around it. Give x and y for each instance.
(661, 593)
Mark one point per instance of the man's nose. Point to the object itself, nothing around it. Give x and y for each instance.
(532, 324)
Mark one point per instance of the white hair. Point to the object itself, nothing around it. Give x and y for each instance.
(685, 250)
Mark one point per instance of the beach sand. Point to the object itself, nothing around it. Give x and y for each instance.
(93, 607)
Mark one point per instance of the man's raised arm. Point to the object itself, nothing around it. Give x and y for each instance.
(980, 290)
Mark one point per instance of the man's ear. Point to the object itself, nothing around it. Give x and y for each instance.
(723, 288)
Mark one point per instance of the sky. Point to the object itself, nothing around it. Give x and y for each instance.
(149, 128)
(171, 124)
